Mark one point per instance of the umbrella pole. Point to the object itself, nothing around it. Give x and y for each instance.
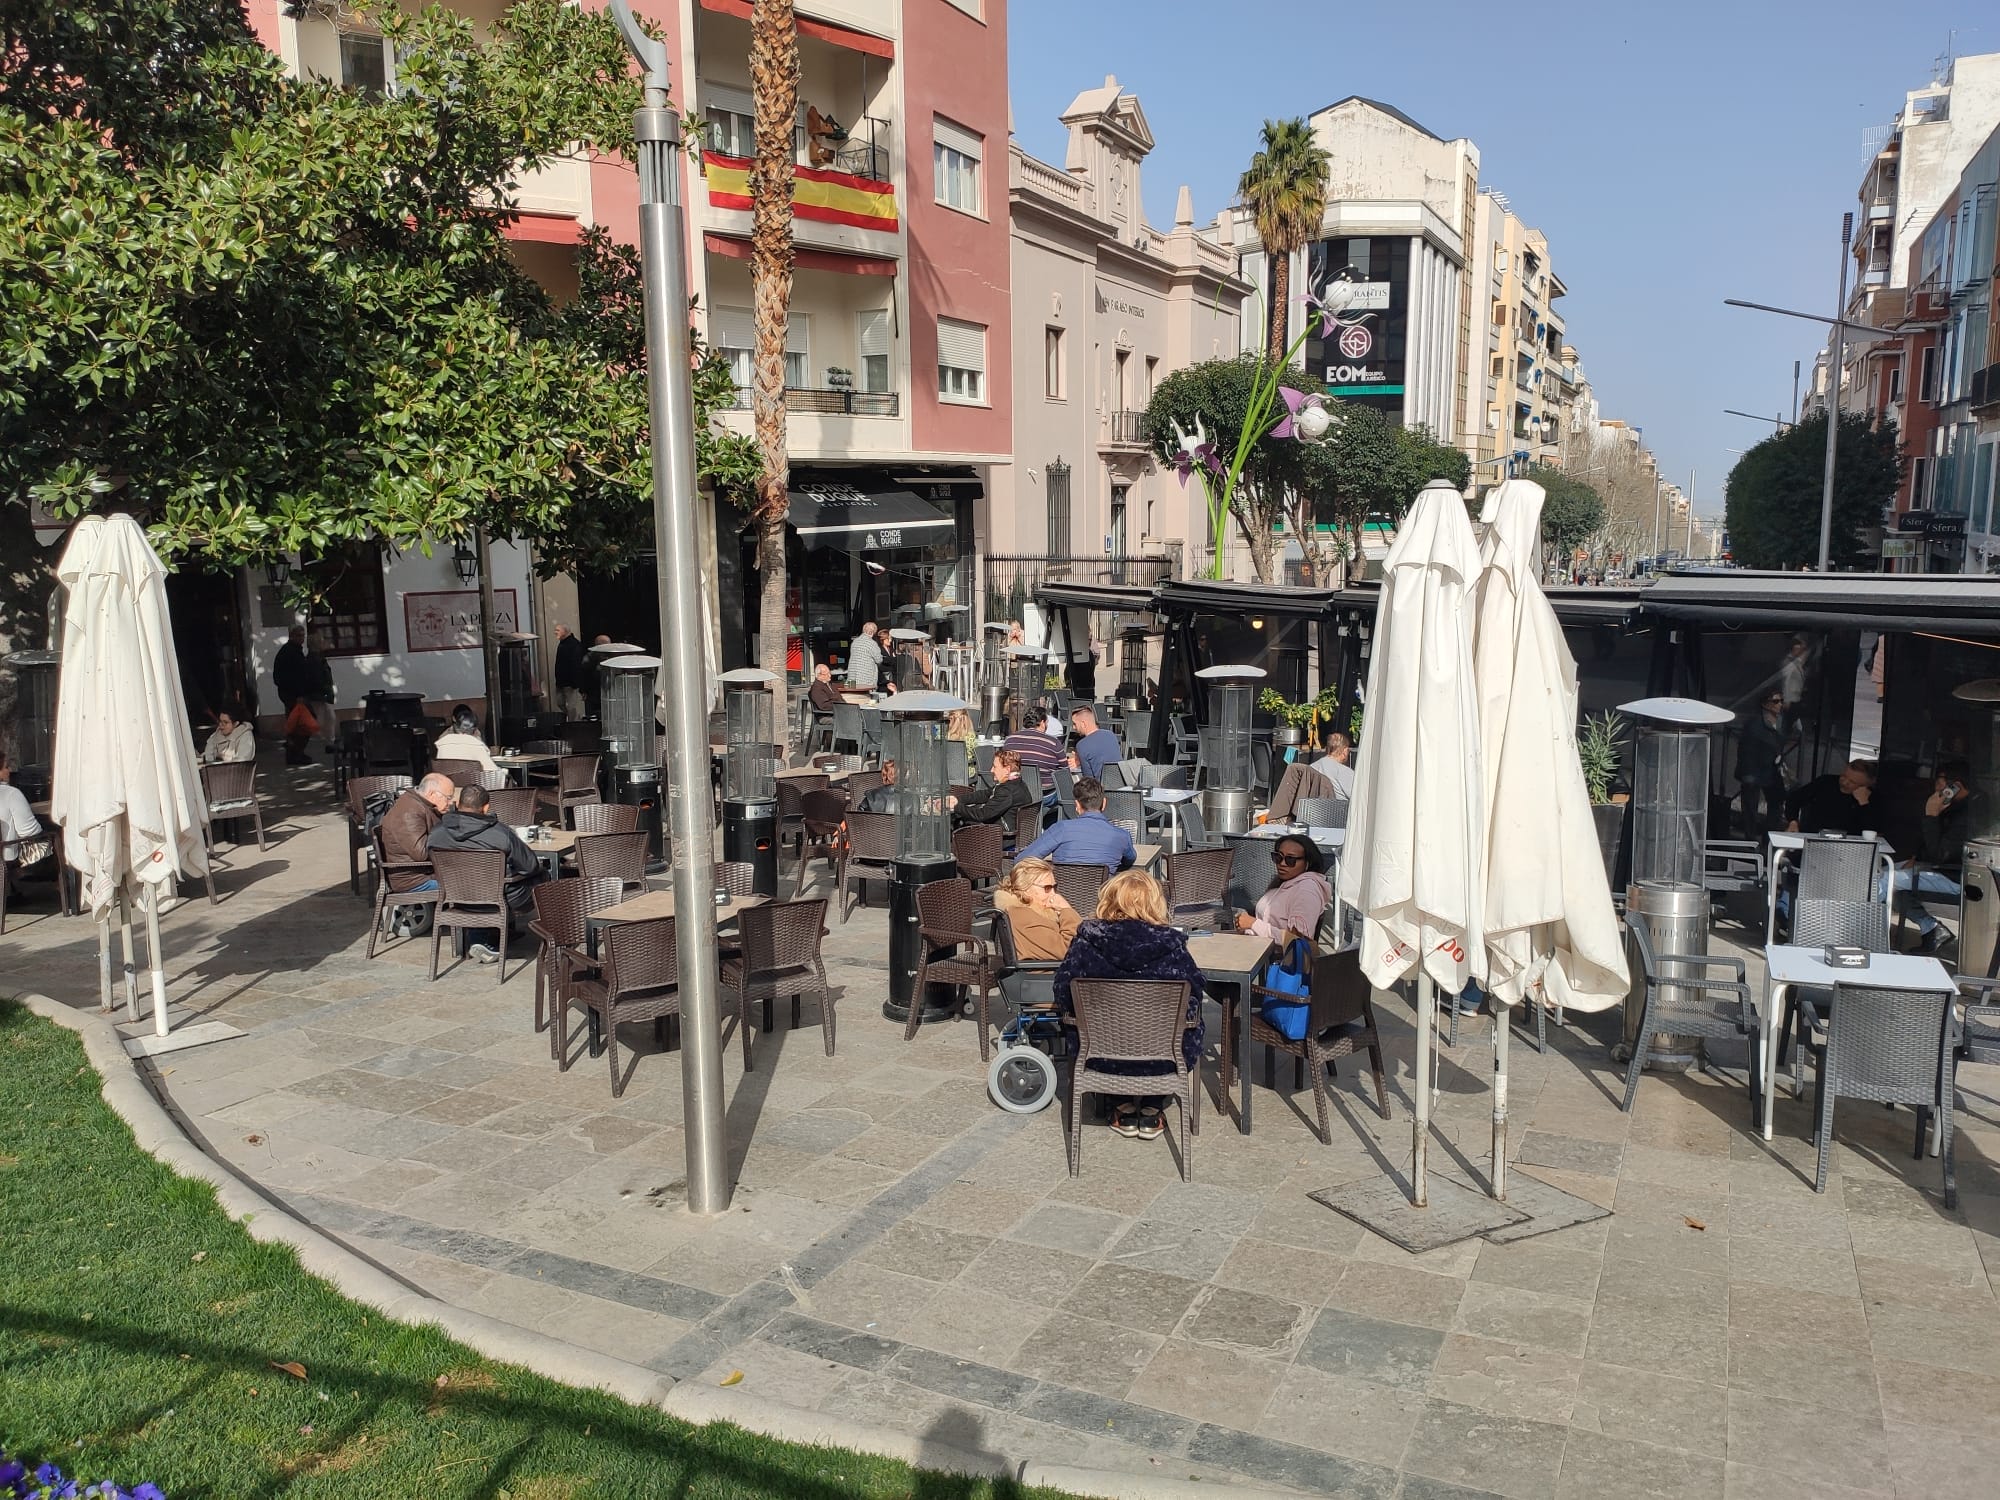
(104, 962)
(153, 955)
(131, 968)
(1426, 1020)
(1502, 1023)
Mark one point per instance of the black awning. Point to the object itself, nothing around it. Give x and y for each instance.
(861, 510)
(1210, 597)
(1952, 604)
(1134, 598)
(942, 484)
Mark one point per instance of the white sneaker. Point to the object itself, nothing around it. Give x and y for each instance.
(484, 952)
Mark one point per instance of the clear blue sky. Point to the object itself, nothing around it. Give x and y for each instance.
(1674, 155)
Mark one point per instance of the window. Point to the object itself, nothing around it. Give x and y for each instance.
(351, 615)
(1927, 381)
(1920, 482)
(1121, 378)
(364, 63)
(1895, 382)
(961, 362)
(1058, 481)
(1120, 495)
(733, 333)
(955, 155)
(729, 133)
(1152, 379)
(1053, 383)
(872, 346)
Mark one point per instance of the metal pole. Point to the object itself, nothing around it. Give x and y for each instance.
(1502, 1023)
(663, 250)
(489, 649)
(1833, 399)
(1659, 496)
(155, 959)
(1795, 385)
(1421, 1122)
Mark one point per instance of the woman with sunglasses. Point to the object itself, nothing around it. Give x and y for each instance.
(1042, 922)
(1761, 748)
(1299, 893)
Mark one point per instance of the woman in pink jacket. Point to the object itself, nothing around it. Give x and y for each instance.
(1298, 896)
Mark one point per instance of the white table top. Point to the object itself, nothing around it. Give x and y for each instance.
(1791, 963)
(1780, 839)
(1169, 796)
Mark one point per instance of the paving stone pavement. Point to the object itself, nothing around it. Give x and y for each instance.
(902, 1252)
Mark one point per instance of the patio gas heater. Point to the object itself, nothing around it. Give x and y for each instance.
(902, 664)
(625, 698)
(924, 762)
(1669, 834)
(1027, 677)
(34, 720)
(750, 775)
(993, 679)
(1227, 803)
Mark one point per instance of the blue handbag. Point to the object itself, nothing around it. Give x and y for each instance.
(1288, 982)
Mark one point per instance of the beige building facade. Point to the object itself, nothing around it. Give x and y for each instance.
(1520, 376)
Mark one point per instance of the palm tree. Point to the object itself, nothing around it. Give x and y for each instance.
(774, 90)
(1285, 188)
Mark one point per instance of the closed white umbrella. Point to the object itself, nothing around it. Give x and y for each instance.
(1551, 933)
(1413, 864)
(127, 791)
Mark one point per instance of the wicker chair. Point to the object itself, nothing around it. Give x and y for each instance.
(359, 790)
(822, 819)
(860, 783)
(1251, 872)
(637, 980)
(562, 909)
(621, 856)
(1079, 885)
(605, 817)
(848, 729)
(230, 790)
(1026, 829)
(1687, 1002)
(515, 805)
(1065, 783)
(1888, 1047)
(980, 851)
(792, 792)
(738, 877)
(1126, 807)
(387, 900)
(472, 895)
(1819, 922)
(576, 784)
(867, 852)
(1321, 812)
(1131, 1020)
(1340, 1022)
(952, 953)
(1198, 885)
(461, 772)
(777, 953)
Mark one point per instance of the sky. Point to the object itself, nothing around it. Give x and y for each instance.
(1674, 154)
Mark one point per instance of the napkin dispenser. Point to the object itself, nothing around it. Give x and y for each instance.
(1839, 956)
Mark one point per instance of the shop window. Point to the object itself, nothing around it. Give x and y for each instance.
(351, 615)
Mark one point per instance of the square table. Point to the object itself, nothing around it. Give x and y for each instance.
(524, 763)
(1145, 856)
(650, 904)
(550, 845)
(1788, 965)
(1173, 799)
(1234, 958)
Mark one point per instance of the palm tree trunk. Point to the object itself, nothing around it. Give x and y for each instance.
(774, 87)
(1281, 303)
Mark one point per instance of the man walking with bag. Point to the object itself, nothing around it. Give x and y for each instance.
(304, 680)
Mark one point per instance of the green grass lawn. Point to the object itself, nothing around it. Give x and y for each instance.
(140, 1329)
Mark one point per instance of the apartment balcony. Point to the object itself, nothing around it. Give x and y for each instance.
(840, 403)
(1123, 429)
(1882, 211)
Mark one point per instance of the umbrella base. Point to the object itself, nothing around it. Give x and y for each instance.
(1455, 1212)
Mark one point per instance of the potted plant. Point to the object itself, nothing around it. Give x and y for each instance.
(839, 378)
(1297, 722)
(1599, 744)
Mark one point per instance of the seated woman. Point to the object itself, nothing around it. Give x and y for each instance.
(462, 741)
(233, 739)
(1043, 923)
(1298, 897)
(1129, 939)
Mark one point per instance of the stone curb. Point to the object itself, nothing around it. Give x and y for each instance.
(161, 1136)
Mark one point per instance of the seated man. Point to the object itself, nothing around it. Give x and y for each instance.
(406, 830)
(1032, 745)
(880, 799)
(1935, 871)
(470, 826)
(1002, 800)
(1337, 765)
(1095, 748)
(23, 840)
(1089, 838)
(462, 741)
(1835, 803)
(823, 693)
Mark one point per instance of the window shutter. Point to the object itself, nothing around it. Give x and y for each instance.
(722, 96)
(961, 346)
(732, 328)
(874, 339)
(798, 334)
(957, 138)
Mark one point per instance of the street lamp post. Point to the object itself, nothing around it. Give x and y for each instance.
(663, 250)
(1833, 398)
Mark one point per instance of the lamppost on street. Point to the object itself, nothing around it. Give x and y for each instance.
(663, 252)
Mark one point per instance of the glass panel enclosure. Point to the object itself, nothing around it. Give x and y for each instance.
(626, 698)
(750, 766)
(1669, 806)
(923, 782)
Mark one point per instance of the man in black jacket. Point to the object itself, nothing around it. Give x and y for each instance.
(570, 673)
(1837, 803)
(1007, 795)
(470, 826)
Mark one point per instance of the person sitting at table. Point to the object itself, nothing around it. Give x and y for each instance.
(462, 741)
(1031, 744)
(1007, 794)
(406, 831)
(23, 840)
(880, 799)
(470, 825)
(233, 740)
(1834, 803)
(1129, 938)
(1043, 923)
(1095, 748)
(823, 693)
(1934, 873)
(1337, 765)
(1089, 838)
(1298, 896)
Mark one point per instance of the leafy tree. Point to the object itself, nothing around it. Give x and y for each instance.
(1285, 190)
(1572, 513)
(1775, 493)
(275, 317)
(774, 88)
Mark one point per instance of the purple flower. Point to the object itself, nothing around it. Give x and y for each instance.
(48, 1474)
(148, 1491)
(1193, 448)
(1306, 417)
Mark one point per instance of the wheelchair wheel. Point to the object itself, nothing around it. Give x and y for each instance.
(1021, 1080)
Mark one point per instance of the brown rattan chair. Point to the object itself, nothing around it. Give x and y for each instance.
(1079, 885)
(472, 894)
(605, 817)
(822, 815)
(777, 953)
(1131, 1020)
(638, 980)
(561, 910)
(1198, 885)
(387, 900)
(359, 790)
(621, 856)
(461, 772)
(980, 851)
(514, 805)
(952, 952)
(230, 790)
(1025, 828)
(738, 877)
(1340, 1022)
(576, 784)
(869, 853)
(860, 783)
(792, 792)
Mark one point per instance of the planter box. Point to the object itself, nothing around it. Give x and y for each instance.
(1610, 817)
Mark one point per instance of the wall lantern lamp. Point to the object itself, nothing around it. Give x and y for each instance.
(466, 561)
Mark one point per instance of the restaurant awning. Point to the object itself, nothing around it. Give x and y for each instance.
(861, 510)
(1944, 603)
(1134, 598)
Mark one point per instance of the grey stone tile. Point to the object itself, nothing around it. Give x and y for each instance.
(1810, 1371)
(970, 1322)
(1807, 1442)
(1916, 1395)
(1397, 1294)
(463, 1107)
(1595, 1465)
(1095, 1415)
(1085, 1354)
(1163, 1245)
(1358, 1419)
(1068, 1226)
(1245, 1320)
(1416, 1487)
(1787, 1312)
(1664, 1334)
(1648, 1407)
(1965, 1340)
(926, 1251)
(860, 1351)
(407, 1062)
(1511, 1315)
(1742, 1481)
(961, 1379)
(1132, 1298)
(1540, 1265)
(1569, 1153)
(1511, 1380)
(1507, 1455)
(1208, 1383)
(817, 1131)
(1287, 1273)
(1345, 1343)
(1292, 1467)
(1928, 1462)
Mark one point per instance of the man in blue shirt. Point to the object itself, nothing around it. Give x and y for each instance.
(1089, 838)
(1095, 748)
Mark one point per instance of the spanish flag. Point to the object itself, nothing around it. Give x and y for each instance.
(830, 197)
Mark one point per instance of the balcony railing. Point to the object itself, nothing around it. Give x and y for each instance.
(1125, 429)
(832, 403)
(1046, 179)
